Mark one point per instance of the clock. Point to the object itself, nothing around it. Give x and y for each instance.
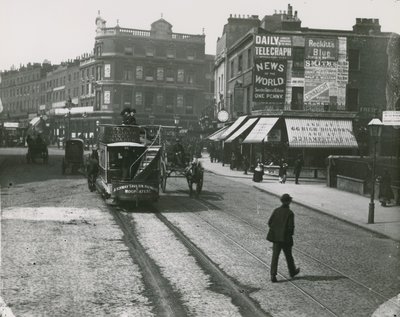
(223, 116)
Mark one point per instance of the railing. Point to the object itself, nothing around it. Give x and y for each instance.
(147, 33)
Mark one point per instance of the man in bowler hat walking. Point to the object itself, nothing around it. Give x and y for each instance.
(281, 229)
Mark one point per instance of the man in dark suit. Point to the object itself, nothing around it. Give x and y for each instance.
(281, 229)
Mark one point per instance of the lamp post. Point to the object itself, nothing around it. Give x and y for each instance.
(176, 122)
(69, 105)
(375, 130)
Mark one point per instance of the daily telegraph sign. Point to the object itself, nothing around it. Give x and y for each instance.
(275, 46)
(270, 80)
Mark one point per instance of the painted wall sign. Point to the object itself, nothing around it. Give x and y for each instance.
(270, 80)
(321, 49)
(325, 72)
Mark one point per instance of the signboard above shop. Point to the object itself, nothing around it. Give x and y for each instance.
(391, 118)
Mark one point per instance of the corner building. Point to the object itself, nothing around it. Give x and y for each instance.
(315, 89)
(161, 74)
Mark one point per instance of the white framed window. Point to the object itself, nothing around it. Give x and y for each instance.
(179, 101)
(160, 73)
(107, 97)
(138, 98)
(139, 72)
(107, 70)
(181, 75)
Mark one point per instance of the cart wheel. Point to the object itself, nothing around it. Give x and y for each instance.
(163, 178)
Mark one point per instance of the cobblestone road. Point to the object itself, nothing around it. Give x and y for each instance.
(63, 253)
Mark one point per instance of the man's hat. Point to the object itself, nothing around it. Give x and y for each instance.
(286, 198)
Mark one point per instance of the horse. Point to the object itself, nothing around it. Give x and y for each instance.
(194, 175)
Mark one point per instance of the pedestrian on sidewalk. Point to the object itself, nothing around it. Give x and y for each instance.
(246, 164)
(298, 165)
(258, 173)
(385, 189)
(282, 171)
(281, 229)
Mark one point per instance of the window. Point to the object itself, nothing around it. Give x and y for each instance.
(149, 73)
(139, 98)
(159, 100)
(160, 73)
(297, 98)
(179, 101)
(98, 50)
(352, 99)
(232, 72)
(181, 75)
(107, 97)
(298, 57)
(240, 63)
(354, 59)
(139, 72)
(149, 100)
(149, 51)
(128, 50)
(169, 102)
(190, 77)
(171, 52)
(127, 97)
(107, 71)
(190, 54)
(189, 104)
(128, 74)
(169, 76)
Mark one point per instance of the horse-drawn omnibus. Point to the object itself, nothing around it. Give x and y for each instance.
(129, 163)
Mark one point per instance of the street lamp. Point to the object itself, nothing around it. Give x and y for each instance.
(375, 130)
(69, 105)
(176, 122)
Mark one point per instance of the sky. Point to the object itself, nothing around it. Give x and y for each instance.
(58, 30)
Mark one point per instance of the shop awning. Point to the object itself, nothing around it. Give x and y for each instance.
(233, 127)
(320, 133)
(261, 130)
(247, 125)
(34, 121)
(215, 136)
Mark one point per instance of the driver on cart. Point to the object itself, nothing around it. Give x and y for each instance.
(179, 153)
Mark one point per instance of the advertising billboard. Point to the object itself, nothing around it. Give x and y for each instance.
(270, 80)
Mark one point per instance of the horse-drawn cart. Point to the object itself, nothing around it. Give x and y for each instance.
(37, 148)
(178, 162)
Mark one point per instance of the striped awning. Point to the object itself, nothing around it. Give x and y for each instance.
(247, 125)
(34, 121)
(233, 127)
(215, 136)
(320, 133)
(261, 130)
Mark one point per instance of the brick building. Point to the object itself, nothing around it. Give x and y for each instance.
(307, 81)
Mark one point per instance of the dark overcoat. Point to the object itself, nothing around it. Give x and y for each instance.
(281, 225)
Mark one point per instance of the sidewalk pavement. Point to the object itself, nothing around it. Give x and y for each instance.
(312, 193)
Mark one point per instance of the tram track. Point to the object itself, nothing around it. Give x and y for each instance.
(210, 206)
(225, 283)
(164, 297)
